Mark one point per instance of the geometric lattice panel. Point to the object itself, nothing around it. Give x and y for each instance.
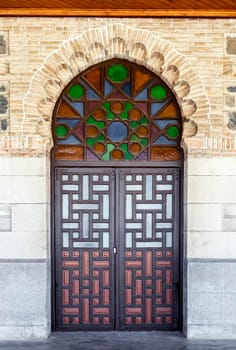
(117, 111)
(85, 230)
(150, 248)
(135, 211)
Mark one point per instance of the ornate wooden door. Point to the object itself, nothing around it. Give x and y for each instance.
(117, 248)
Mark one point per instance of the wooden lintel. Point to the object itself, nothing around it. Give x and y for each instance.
(76, 12)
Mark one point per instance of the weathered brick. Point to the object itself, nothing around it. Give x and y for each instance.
(231, 46)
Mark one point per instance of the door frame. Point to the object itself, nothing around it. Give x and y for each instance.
(86, 164)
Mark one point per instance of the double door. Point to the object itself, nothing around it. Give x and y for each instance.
(116, 248)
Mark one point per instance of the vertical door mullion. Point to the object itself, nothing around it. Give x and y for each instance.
(114, 246)
(57, 238)
(117, 245)
(176, 244)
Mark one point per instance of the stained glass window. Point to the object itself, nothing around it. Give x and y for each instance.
(117, 111)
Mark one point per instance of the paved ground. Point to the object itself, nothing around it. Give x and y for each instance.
(119, 341)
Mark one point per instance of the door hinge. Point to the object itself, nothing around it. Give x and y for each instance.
(115, 250)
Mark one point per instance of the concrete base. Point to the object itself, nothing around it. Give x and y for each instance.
(211, 332)
(23, 332)
(25, 308)
(118, 341)
(211, 309)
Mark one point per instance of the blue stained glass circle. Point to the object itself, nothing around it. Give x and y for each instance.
(117, 131)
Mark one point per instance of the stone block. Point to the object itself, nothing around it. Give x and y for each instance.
(229, 100)
(216, 283)
(4, 124)
(231, 120)
(4, 68)
(5, 217)
(231, 46)
(23, 189)
(229, 224)
(229, 210)
(211, 332)
(205, 308)
(5, 223)
(232, 89)
(211, 166)
(29, 217)
(4, 87)
(24, 245)
(211, 245)
(24, 166)
(3, 104)
(207, 276)
(30, 166)
(211, 298)
(229, 244)
(229, 272)
(23, 294)
(212, 189)
(229, 217)
(23, 332)
(230, 308)
(3, 43)
(204, 217)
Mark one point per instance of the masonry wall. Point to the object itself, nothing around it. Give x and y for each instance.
(209, 47)
(211, 242)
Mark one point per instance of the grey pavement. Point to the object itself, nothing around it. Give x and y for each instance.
(118, 341)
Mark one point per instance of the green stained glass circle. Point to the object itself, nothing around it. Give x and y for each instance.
(61, 131)
(158, 92)
(172, 132)
(117, 73)
(76, 91)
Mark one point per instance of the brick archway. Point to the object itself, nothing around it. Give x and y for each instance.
(97, 45)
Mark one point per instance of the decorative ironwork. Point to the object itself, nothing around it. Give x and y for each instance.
(85, 255)
(117, 111)
(139, 218)
(150, 248)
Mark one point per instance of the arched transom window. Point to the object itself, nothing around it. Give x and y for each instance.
(117, 111)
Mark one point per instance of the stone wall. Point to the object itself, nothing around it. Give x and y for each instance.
(24, 248)
(211, 241)
(197, 59)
